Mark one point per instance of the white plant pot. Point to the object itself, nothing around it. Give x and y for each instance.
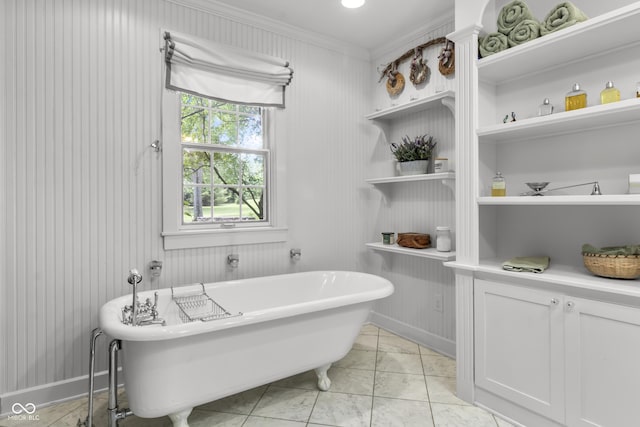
(415, 167)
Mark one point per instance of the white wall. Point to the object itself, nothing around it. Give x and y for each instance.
(80, 186)
(416, 206)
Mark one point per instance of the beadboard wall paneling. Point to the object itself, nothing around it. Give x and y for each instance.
(80, 104)
(414, 206)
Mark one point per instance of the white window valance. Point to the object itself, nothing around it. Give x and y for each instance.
(224, 73)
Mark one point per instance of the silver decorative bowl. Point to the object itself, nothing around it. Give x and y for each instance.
(537, 187)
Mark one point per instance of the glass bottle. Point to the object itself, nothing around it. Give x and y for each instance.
(609, 94)
(545, 108)
(575, 99)
(498, 186)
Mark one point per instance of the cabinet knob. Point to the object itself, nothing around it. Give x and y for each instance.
(570, 305)
(554, 301)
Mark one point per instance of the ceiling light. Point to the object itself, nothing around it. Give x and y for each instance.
(352, 4)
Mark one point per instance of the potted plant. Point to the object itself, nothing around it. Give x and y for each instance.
(413, 156)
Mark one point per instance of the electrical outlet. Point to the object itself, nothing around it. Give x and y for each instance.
(437, 302)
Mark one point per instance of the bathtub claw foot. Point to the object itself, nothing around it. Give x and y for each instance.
(179, 419)
(324, 383)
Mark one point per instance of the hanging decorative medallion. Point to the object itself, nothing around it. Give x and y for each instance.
(395, 82)
(419, 69)
(447, 59)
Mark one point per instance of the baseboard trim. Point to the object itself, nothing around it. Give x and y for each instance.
(52, 393)
(422, 337)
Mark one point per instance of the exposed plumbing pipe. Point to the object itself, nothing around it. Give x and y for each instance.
(88, 422)
(114, 414)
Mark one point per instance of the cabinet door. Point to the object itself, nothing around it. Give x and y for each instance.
(519, 346)
(603, 363)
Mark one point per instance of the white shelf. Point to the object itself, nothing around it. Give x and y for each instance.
(446, 98)
(408, 178)
(605, 200)
(423, 253)
(561, 123)
(592, 37)
(564, 275)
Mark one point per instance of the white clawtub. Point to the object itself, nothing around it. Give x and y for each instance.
(290, 324)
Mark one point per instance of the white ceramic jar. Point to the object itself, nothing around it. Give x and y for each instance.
(443, 239)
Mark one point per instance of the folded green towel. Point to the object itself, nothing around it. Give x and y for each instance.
(611, 250)
(562, 16)
(511, 15)
(492, 43)
(525, 31)
(530, 264)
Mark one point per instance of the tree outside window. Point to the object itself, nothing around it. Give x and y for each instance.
(224, 162)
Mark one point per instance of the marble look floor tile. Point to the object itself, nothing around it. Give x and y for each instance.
(353, 381)
(384, 332)
(69, 418)
(306, 380)
(369, 329)
(400, 363)
(271, 422)
(441, 366)
(399, 413)
(344, 410)
(200, 418)
(358, 359)
(286, 403)
(443, 390)
(429, 352)
(240, 403)
(401, 386)
(366, 342)
(456, 416)
(395, 344)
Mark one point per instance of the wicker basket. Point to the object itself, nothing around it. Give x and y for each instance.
(614, 266)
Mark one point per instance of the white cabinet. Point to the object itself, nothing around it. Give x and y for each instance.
(570, 359)
(519, 346)
(602, 345)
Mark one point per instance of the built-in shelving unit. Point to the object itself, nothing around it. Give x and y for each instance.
(584, 322)
(604, 200)
(444, 176)
(597, 116)
(430, 253)
(446, 98)
(593, 37)
(383, 119)
(562, 275)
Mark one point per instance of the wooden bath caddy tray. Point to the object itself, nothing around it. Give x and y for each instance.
(199, 306)
(414, 240)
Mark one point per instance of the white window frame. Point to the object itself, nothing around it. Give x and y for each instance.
(176, 235)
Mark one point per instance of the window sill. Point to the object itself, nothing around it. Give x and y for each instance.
(212, 238)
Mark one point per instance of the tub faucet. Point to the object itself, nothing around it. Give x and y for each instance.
(134, 278)
(138, 314)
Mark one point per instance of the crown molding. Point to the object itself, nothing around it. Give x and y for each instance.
(255, 20)
(400, 43)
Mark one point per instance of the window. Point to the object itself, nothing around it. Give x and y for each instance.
(219, 175)
(224, 163)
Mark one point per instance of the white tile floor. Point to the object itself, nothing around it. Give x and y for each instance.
(384, 381)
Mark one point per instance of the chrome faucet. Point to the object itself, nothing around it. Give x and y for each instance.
(138, 314)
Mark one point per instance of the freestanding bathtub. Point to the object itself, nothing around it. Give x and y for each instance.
(289, 324)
